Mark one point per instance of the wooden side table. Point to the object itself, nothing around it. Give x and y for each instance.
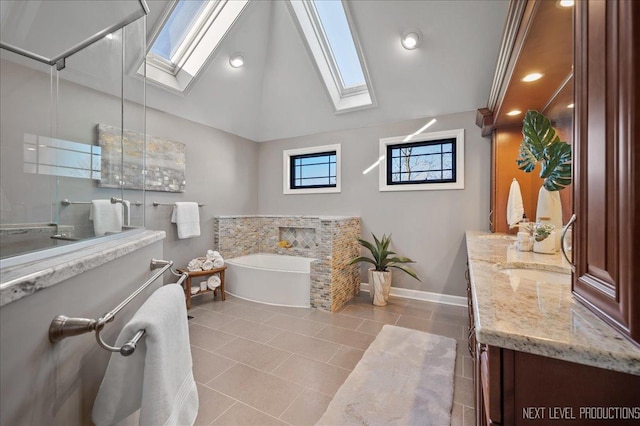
(196, 274)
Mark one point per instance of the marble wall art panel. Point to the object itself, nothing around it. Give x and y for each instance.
(166, 161)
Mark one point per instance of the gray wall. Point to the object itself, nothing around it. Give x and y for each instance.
(45, 384)
(427, 226)
(221, 173)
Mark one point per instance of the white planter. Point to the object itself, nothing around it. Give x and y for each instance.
(546, 246)
(379, 286)
(549, 205)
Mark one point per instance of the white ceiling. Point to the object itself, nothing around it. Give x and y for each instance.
(279, 93)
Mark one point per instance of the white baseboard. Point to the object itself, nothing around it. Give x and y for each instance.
(423, 295)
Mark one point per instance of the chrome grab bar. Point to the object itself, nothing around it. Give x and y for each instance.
(63, 326)
(562, 247)
(156, 204)
(66, 202)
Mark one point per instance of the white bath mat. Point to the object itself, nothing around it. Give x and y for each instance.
(404, 378)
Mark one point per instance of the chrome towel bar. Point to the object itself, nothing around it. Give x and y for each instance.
(62, 326)
(114, 200)
(156, 204)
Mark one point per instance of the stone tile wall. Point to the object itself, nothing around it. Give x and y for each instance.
(333, 282)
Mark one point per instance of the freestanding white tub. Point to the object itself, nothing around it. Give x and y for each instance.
(270, 278)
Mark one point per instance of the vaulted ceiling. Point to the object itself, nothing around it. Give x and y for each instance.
(278, 93)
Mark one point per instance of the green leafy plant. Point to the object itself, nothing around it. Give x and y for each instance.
(542, 231)
(542, 145)
(381, 256)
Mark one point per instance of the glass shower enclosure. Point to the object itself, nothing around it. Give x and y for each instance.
(69, 91)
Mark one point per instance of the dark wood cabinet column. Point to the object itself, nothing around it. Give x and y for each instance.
(607, 161)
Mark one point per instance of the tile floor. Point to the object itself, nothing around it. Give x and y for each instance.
(257, 364)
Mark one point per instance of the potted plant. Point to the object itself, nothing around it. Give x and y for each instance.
(541, 144)
(380, 274)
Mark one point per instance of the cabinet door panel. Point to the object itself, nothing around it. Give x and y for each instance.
(606, 162)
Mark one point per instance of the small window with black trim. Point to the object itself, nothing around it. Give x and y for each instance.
(421, 162)
(315, 169)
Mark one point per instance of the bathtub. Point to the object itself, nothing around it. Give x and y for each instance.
(270, 278)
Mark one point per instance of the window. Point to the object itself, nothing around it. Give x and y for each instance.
(334, 46)
(190, 32)
(311, 170)
(425, 161)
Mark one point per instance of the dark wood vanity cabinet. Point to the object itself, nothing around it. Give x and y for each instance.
(606, 249)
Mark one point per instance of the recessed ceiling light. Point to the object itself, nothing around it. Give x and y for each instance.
(570, 106)
(236, 60)
(566, 3)
(410, 40)
(532, 77)
(514, 112)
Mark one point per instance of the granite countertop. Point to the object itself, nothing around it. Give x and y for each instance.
(534, 316)
(24, 279)
(320, 217)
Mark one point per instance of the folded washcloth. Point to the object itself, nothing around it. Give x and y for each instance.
(195, 288)
(213, 282)
(194, 265)
(187, 219)
(515, 207)
(218, 262)
(106, 217)
(157, 378)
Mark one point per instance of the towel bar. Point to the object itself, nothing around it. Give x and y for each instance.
(156, 204)
(114, 200)
(63, 326)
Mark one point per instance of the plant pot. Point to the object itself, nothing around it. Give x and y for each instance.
(379, 286)
(549, 205)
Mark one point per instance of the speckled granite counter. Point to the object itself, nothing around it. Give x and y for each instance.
(538, 317)
(22, 280)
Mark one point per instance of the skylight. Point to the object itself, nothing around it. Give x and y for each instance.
(333, 44)
(188, 36)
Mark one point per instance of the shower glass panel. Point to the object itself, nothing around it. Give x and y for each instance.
(51, 161)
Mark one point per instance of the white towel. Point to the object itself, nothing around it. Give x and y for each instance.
(106, 217)
(515, 207)
(213, 282)
(157, 378)
(187, 218)
(218, 262)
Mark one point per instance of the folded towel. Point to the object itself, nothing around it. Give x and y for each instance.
(187, 218)
(207, 265)
(195, 289)
(106, 217)
(218, 262)
(213, 282)
(515, 207)
(157, 378)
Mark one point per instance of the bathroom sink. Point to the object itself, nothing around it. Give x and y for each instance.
(538, 275)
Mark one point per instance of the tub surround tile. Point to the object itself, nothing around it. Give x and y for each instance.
(22, 280)
(536, 317)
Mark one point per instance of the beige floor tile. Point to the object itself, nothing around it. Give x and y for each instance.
(207, 365)
(467, 367)
(251, 330)
(248, 313)
(316, 375)
(334, 319)
(297, 325)
(216, 306)
(346, 337)
(469, 416)
(313, 348)
(243, 415)
(253, 354)
(307, 409)
(207, 338)
(463, 391)
(457, 415)
(461, 317)
(407, 310)
(212, 404)
(285, 310)
(372, 314)
(433, 327)
(346, 357)
(210, 319)
(370, 327)
(256, 388)
(462, 348)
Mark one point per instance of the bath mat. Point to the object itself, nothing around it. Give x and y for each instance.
(404, 378)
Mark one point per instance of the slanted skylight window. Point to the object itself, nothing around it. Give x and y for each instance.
(188, 36)
(334, 46)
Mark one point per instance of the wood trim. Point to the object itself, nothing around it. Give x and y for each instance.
(484, 120)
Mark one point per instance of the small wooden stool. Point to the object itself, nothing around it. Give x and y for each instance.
(192, 274)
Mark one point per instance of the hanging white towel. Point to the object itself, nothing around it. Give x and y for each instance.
(515, 207)
(106, 217)
(187, 218)
(157, 378)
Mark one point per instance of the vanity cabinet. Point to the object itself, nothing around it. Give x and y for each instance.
(606, 245)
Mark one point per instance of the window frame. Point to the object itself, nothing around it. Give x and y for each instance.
(287, 176)
(458, 148)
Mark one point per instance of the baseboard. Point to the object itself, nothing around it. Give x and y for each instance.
(423, 295)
